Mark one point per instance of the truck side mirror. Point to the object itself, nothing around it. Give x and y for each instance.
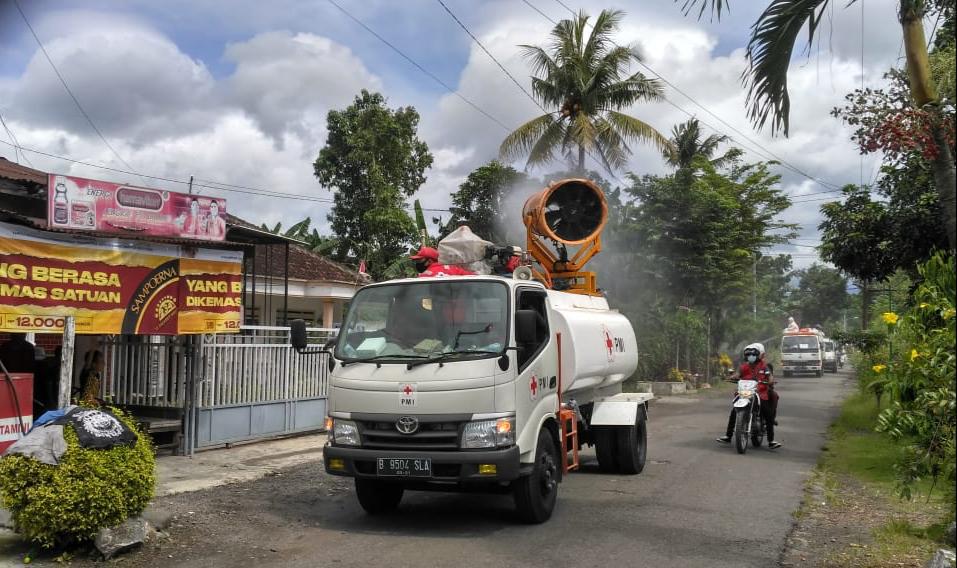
(526, 326)
(297, 334)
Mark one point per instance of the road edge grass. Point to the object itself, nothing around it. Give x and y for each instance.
(856, 472)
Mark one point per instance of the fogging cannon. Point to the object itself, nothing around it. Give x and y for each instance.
(568, 213)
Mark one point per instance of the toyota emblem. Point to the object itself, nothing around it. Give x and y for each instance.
(407, 424)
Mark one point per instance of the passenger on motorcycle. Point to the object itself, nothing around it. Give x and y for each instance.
(755, 368)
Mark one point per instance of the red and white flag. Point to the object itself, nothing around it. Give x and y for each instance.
(362, 268)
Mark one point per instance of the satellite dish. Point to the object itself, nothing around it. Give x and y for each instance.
(522, 273)
(571, 211)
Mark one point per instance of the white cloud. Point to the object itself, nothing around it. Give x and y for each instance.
(263, 124)
(135, 82)
(289, 81)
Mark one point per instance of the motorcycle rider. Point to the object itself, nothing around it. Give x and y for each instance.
(755, 368)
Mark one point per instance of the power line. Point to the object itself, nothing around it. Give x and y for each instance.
(492, 57)
(221, 186)
(433, 76)
(68, 90)
(600, 161)
(17, 151)
(766, 152)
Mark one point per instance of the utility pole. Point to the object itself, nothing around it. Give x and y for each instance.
(66, 362)
(754, 289)
(191, 185)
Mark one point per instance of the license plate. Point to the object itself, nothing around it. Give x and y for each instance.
(404, 467)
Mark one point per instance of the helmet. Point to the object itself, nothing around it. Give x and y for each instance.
(755, 349)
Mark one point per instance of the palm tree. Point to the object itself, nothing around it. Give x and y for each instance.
(583, 77)
(687, 145)
(773, 38)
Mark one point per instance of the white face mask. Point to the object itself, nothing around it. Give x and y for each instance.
(752, 358)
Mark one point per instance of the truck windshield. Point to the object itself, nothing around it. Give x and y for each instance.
(415, 320)
(799, 344)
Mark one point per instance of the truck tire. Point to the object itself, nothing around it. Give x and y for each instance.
(633, 445)
(819, 374)
(535, 494)
(378, 497)
(741, 429)
(606, 448)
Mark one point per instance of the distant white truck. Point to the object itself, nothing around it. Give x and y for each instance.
(486, 383)
(830, 355)
(802, 352)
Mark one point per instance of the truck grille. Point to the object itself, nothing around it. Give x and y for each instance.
(803, 363)
(431, 436)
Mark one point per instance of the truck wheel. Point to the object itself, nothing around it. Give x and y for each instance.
(819, 374)
(741, 430)
(633, 445)
(378, 497)
(757, 432)
(535, 494)
(606, 448)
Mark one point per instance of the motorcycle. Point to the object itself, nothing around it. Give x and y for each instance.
(748, 423)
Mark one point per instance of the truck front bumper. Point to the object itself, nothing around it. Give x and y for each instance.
(450, 467)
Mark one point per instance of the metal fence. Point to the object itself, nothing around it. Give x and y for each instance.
(228, 387)
(254, 384)
(145, 371)
(259, 365)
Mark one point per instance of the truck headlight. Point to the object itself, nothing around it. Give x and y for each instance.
(345, 433)
(489, 433)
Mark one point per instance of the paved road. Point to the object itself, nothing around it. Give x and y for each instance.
(696, 504)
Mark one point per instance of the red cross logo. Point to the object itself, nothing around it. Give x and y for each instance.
(407, 390)
(533, 385)
(608, 343)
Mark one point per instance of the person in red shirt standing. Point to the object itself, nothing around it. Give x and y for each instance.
(755, 368)
(427, 265)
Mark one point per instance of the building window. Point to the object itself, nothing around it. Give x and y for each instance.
(283, 317)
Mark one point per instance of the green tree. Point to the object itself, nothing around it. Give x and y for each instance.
(582, 82)
(480, 201)
(690, 239)
(687, 144)
(310, 237)
(701, 232)
(773, 38)
(374, 160)
(820, 297)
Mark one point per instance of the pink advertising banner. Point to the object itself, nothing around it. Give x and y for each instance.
(86, 204)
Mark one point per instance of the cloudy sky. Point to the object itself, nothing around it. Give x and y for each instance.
(237, 91)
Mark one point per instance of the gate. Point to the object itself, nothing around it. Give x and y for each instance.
(146, 371)
(255, 385)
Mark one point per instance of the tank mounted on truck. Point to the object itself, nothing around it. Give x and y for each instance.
(484, 382)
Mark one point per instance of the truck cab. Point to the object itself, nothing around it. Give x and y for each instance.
(802, 351)
(478, 383)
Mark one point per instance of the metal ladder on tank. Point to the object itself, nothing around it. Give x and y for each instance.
(568, 422)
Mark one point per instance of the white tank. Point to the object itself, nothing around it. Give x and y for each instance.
(598, 343)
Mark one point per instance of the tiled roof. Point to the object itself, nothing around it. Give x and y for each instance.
(12, 170)
(305, 265)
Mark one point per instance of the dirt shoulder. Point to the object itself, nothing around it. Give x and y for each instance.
(851, 515)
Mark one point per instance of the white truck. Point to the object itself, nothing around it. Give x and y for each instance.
(802, 351)
(483, 383)
(829, 355)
